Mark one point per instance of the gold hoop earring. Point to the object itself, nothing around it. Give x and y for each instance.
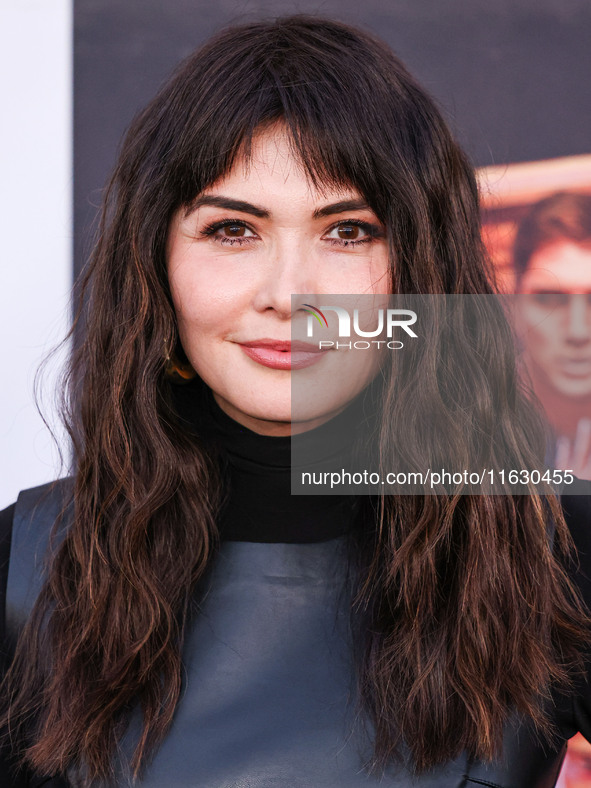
(177, 371)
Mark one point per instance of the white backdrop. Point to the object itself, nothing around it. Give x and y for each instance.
(35, 226)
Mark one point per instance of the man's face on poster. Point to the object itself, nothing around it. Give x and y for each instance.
(556, 316)
(577, 768)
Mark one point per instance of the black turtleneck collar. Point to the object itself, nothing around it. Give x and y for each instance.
(259, 506)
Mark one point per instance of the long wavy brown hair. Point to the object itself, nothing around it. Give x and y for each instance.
(468, 613)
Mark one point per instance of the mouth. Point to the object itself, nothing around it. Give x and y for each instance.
(279, 354)
(576, 368)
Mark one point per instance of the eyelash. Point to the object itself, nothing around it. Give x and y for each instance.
(371, 230)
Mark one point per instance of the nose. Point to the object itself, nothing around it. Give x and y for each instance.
(579, 319)
(288, 280)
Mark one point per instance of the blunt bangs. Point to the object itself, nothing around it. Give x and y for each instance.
(314, 86)
(355, 117)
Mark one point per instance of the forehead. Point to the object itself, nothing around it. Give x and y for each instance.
(561, 266)
(273, 166)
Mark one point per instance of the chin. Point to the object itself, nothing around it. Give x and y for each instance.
(265, 408)
(571, 390)
(279, 415)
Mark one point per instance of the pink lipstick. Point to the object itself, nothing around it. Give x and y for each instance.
(277, 354)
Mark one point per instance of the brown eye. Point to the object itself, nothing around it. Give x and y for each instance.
(352, 233)
(234, 230)
(349, 232)
(551, 300)
(229, 231)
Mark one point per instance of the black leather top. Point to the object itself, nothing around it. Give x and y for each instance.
(269, 695)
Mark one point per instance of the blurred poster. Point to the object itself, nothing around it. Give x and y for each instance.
(536, 224)
(537, 228)
(576, 771)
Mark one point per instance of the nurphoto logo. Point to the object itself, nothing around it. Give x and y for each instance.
(387, 321)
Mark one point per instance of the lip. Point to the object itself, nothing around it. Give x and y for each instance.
(281, 354)
(576, 367)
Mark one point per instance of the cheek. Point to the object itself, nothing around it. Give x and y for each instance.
(207, 299)
(196, 314)
(379, 273)
(550, 333)
(370, 275)
(201, 324)
(540, 326)
(538, 344)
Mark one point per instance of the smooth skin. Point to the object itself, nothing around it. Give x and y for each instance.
(236, 256)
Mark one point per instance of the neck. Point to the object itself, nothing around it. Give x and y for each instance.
(273, 428)
(256, 469)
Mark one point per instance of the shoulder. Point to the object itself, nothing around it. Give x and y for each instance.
(6, 517)
(36, 511)
(576, 506)
(27, 507)
(29, 535)
(53, 494)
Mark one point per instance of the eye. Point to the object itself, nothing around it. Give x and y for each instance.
(230, 231)
(352, 232)
(550, 300)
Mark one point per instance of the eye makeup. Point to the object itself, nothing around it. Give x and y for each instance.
(233, 232)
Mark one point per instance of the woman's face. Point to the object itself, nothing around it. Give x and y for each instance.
(556, 315)
(248, 242)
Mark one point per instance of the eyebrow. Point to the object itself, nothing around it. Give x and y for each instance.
(261, 213)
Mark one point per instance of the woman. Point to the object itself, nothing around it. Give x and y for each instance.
(194, 627)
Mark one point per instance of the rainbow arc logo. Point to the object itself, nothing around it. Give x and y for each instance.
(312, 310)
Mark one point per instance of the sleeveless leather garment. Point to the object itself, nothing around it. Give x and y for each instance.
(269, 695)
